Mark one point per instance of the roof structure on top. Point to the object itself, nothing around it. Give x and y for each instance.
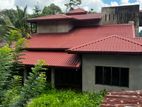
(51, 17)
(114, 43)
(78, 36)
(76, 11)
(76, 14)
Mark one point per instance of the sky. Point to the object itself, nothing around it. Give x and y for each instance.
(86, 4)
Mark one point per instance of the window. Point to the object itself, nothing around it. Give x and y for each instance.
(105, 17)
(114, 76)
(109, 16)
(33, 28)
(113, 16)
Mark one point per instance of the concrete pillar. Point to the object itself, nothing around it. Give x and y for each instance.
(24, 76)
(53, 78)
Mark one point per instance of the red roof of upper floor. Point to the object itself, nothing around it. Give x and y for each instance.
(78, 36)
(76, 14)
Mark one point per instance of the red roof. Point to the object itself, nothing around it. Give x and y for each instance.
(110, 44)
(51, 17)
(53, 59)
(89, 16)
(77, 11)
(78, 36)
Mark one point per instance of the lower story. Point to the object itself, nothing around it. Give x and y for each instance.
(96, 72)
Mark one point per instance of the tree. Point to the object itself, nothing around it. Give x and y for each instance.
(10, 13)
(5, 70)
(4, 23)
(37, 11)
(51, 9)
(34, 85)
(72, 4)
(15, 19)
(21, 20)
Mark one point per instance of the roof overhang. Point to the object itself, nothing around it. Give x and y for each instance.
(52, 59)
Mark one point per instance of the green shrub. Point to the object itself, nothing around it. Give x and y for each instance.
(33, 86)
(67, 99)
(12, 94)
(6, 60)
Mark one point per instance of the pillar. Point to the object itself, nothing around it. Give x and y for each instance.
(24, 76)
(53, 78)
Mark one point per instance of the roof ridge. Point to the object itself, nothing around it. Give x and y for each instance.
(102, 39)
(90, 43)
(129, 40)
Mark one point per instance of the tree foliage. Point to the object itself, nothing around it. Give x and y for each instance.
(34, 85)
(51, 9)
(5, 70)
(37, 11)
(72, 4)
(11, 13)
(21, 21)
(14, 19)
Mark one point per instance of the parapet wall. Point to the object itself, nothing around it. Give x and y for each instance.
(121, 15)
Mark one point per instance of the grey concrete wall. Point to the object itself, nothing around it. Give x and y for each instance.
(89, 61)
(54, 27)
(121, 15)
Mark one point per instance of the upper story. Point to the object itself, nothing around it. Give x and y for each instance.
(63, 23)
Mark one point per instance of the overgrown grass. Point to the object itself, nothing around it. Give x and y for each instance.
(68, 98)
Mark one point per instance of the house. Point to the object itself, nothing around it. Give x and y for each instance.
(89, 51)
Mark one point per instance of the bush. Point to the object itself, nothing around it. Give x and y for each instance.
(5, 70)
(67, 99)
(33, 86)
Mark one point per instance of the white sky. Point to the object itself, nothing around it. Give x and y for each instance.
(86, 4)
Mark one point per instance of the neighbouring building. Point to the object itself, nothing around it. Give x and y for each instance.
(89, 51)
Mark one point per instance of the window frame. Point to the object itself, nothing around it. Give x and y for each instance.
(120, 83)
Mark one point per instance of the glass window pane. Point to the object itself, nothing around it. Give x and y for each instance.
(124, 77)
(99, 75)
(107, 75)
(115, 76)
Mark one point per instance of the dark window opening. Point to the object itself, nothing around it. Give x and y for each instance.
(109, 17)
(113, 17)
(114, 76)
(33, 28)
(105, 17)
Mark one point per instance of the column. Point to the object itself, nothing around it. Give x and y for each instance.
(24, 76)
(53, 78)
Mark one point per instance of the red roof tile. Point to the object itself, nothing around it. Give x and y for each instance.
(51, 17)
(53, 59)
(110, 44)
(78, 36)
(77, 11)
(89, 16)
